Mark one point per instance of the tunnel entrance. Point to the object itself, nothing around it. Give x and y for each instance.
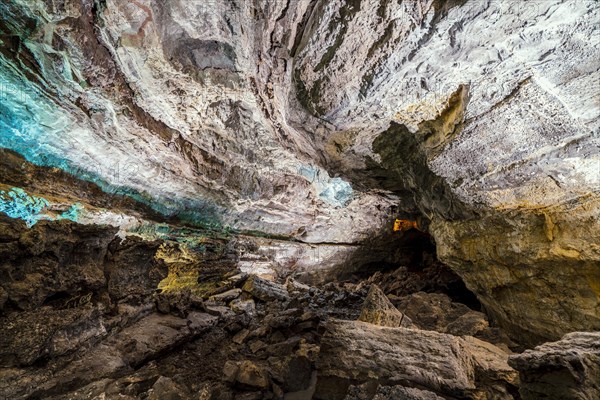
(413, 266)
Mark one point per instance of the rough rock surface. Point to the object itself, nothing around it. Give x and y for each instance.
(437, 312)
(378, 310)
(354, 351)
(321, 121)
(376, 392)
(236, 108)
(233, 336)
(567, 369)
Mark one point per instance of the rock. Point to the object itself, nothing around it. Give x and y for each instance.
(132, 269)
(373, 391)
(3, 298)
(243, 306)
(166, 389)
(247, 374)
(26, 337)
(230, 371)
(199, 322)
(219, 311)
(241, 336)
(378, 310)
(471, 323)
(53, 262)
(398, 392)
(296, 374)
(265, 290)
(226, 296)
(215, 391)
(302, 128)
(237, 279)
(256, 345)
(293, 285)
(355, 351)
(178, 302)
(436, 311)
(566, 369)
(277, 391)
(118, 354)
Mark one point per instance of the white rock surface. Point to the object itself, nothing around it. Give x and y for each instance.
(271, 116)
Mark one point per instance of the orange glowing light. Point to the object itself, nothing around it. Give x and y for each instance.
(404, 225)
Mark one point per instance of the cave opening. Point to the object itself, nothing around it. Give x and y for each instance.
(413, 266)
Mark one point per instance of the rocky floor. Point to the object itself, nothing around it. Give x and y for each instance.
(81, 318)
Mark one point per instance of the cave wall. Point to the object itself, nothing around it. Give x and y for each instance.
(312, 119)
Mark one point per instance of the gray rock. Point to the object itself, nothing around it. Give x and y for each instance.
(226, 296)
(265, 290)
(243, 306)
(199, 322)
(373, 391)
(219, 311)
(117, 355)
(354, 351)
(26, 337)
(566, 369)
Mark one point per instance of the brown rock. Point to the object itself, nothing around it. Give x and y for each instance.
(265, 290)
(378, 310)
(436, 311)
(372, 391)
(252, 375)
(132, 269)
(240, 306)
(54, 260)
(567, 369)
(226, 296)
(230, 371)
(166, 389)
(355, 351)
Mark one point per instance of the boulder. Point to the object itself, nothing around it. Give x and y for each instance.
(437, 312)
(566, 369)
(118, 354)
(292, 372)
(373, 391)
(378, 310)
(265, 290)
(166, 389)
(240, 306)
(226, 296)
(247, 374)
(354, 352)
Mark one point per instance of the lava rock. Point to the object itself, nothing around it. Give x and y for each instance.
(265, 290)
(226, 296)
(166, 389)
(52, 260)
(378, 310)
(132, 269)
(247, 374)
(355, 351)
(436, 311)
(240, 306)
(566, 369)
(373, 391)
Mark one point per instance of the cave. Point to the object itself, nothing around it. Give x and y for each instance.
(289, 200)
